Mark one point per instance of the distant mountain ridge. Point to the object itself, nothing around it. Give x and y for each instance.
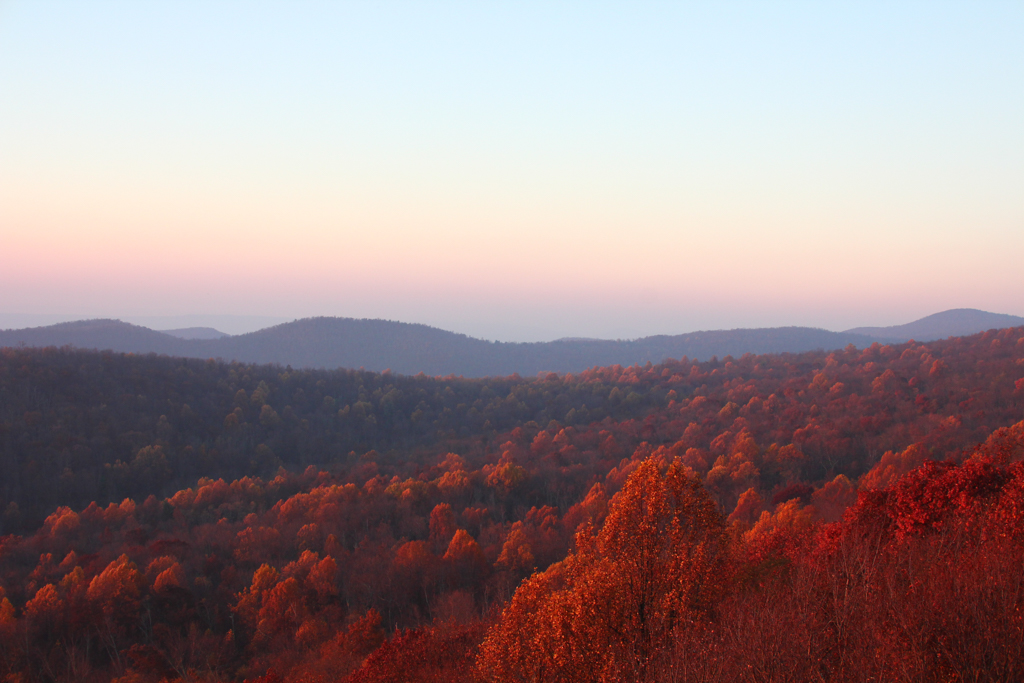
(956, 322)
(412, 348)
(409, 348)
(102, 334)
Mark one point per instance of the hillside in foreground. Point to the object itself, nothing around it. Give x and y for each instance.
(256, 523)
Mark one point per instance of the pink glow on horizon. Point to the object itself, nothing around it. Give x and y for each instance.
(636, 171)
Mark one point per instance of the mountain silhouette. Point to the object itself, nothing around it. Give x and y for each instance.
(409, 348)
(412, 348)
(957, 322)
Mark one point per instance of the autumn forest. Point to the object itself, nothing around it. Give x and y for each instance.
(854, 515)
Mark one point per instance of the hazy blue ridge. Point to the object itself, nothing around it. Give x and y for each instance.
(957, 322)
(409, 349)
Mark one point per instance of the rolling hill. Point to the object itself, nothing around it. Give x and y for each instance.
(409, 349)
(412, 348)
(957, 322)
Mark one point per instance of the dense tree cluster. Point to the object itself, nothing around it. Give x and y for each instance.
(761, 518)
(919, 581)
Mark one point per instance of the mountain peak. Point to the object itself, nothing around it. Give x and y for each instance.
(956, 322)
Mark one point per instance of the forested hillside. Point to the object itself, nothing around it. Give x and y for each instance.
(778, 517)
(77, 427)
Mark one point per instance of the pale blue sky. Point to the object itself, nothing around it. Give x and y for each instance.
(513, 171)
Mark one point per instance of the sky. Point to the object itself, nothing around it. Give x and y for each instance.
(513, 171)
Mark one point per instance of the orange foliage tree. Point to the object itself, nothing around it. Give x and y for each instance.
(611, 608)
